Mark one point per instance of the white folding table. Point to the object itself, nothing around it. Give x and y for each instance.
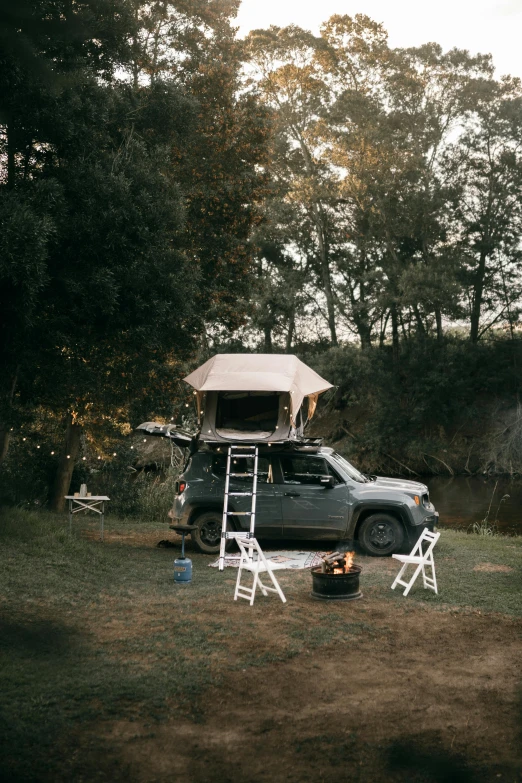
(94, 503)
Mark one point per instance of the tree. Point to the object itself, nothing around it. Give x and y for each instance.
(486, 163)
(147, 215)
(289, 81)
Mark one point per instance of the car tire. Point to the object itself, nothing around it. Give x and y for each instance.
(206, 534)
(381, 534)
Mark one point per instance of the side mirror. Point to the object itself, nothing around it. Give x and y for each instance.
(328, 482)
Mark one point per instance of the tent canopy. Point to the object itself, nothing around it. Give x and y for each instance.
(257, 373)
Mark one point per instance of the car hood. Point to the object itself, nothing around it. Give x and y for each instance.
(401, 485)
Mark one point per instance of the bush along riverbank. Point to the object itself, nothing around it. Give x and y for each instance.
(443, 408)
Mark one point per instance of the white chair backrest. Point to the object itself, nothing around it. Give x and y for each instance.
(426, 535)
(249, 547)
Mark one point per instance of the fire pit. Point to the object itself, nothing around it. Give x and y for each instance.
(337, 578)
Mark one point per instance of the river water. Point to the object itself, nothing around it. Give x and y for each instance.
(463, 500)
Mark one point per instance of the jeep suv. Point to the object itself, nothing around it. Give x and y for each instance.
(303, 496)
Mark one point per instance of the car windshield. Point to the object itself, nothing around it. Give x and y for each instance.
(348, 468)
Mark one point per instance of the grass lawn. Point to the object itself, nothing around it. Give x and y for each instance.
(110, 671)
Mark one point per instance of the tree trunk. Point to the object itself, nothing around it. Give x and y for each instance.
(395, 331)
(365, 334)
(268, 339)
(476, 305)
(421, 329)
(325, 273)
(323, 250)
(438, 321)
(5, 430)
(5, 436)
(66, 464)
(290, 333)
(382, 332)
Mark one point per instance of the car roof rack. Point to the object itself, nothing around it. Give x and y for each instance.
(303, 444)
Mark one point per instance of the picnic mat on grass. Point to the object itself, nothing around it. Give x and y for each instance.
(280, 559)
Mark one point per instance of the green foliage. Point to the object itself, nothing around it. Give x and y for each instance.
(396, 184)
(410, 407)
(127, 203)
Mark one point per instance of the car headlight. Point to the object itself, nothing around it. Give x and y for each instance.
(426, 502)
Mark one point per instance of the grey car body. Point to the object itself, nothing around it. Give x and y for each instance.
(295, 502)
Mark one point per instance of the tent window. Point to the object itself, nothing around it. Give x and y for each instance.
(247, 411)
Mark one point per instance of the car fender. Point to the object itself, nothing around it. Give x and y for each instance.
(364, 508)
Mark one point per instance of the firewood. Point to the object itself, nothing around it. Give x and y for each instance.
(332, 557)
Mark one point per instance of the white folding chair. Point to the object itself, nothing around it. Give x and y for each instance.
(252, 559)
(422, 559)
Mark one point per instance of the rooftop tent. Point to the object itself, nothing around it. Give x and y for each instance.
(255, 396)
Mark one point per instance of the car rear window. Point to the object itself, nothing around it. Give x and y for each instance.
(243, 465)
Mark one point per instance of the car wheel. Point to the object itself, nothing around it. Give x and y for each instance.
(381, 535)
(207, 532)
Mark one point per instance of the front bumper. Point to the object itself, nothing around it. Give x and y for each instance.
(430, 521)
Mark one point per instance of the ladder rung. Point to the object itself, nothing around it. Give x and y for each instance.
(239, 513)
(242, 456)
(240, 474)
(240, 494)
(251, 448)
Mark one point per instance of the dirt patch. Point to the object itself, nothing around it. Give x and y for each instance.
(493, 567)
(129, 538)
(434, 697)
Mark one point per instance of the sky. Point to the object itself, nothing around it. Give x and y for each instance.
(485, 26)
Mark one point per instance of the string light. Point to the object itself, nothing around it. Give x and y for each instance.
(84, 459)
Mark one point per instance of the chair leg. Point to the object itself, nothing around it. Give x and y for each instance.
(261, 585)
(398, 577)
(277, 587)
(412, 580)
(254, 587)
(431, 563)
(238, 582)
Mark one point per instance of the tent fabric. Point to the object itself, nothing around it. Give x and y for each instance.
(259, 372)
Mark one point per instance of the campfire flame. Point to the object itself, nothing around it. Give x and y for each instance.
(348, 562)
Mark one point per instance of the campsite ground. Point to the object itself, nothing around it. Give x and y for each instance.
(112, 672)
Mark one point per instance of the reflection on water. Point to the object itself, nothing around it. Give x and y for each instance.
(463, 500)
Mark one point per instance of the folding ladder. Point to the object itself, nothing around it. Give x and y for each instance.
(236, 453)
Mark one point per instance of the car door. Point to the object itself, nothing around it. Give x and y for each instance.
(269, 523)
(310, 509)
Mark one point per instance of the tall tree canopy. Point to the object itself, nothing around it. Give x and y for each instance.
(126, 203)
(384, 159)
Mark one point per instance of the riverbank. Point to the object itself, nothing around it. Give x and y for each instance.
(110, 671)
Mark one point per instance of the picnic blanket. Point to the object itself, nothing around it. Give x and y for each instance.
(280, 559)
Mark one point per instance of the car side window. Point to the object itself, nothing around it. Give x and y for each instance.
(305, 469)
(264, 469)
